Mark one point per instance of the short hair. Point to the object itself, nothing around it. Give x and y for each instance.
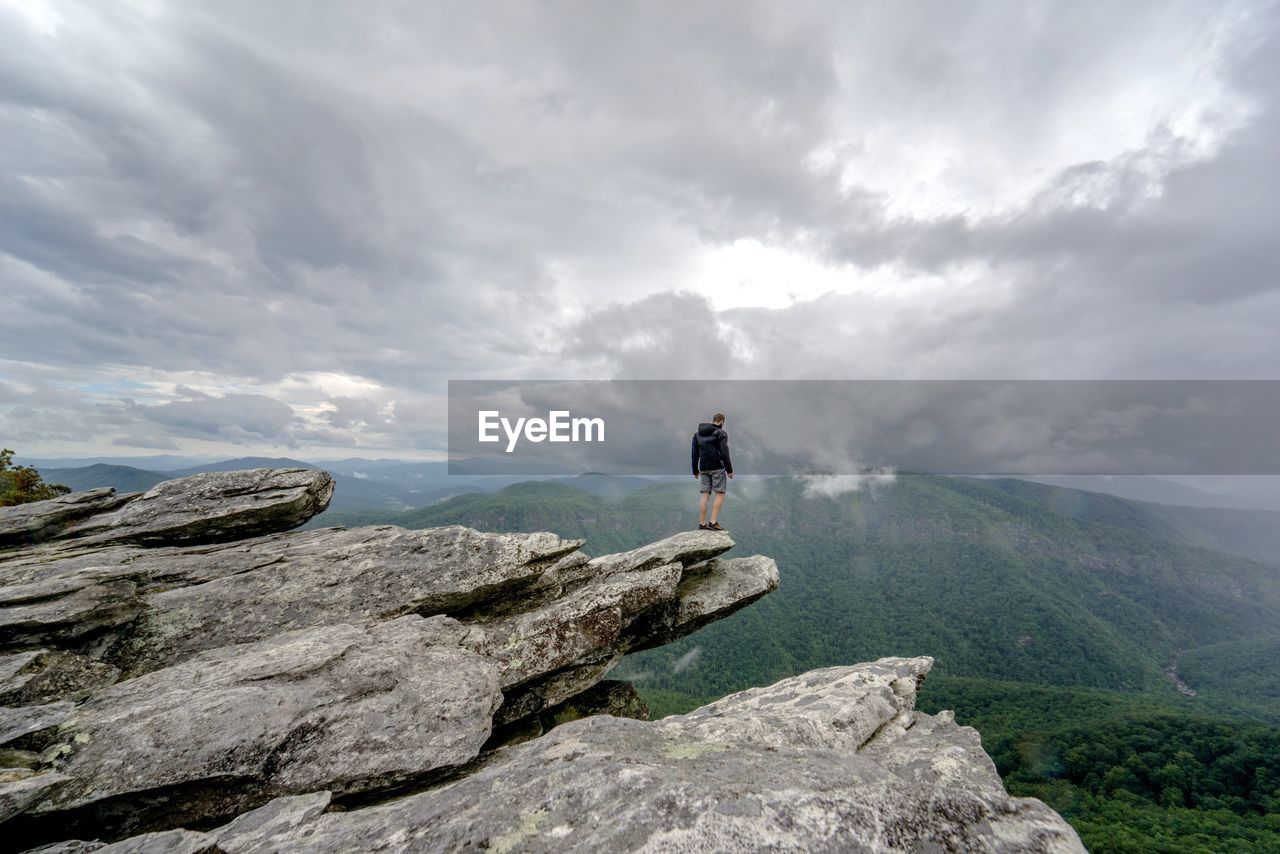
(718, 418)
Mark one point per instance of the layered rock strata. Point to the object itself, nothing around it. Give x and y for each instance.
(179, 672)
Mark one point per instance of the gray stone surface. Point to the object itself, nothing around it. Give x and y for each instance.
(165, 842)
(69, 846)
(20, 788)
(39, 676)
(64, 560)
(606, 697)
(281, 816)
(627, 602)
(836, 707)
(287, 581)
(67, 605)
(934, 749)
(710, 588)
(19, 759)
(578, 627)
(612, 604)
(247, 833)
(26, 524)
(341, 707)
(15, 670)
(212, 507)
(707, 592)
(792, 767)
(685, 548)
(538, 694)
(20, 721)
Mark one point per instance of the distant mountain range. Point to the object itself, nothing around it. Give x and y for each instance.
(1255, 492)
(123, 478)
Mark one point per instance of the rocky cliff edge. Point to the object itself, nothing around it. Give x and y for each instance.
(180, 673)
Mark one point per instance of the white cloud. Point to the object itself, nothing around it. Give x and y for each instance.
(835, 485)
(689, 659)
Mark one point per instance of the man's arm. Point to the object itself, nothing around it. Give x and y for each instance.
(724, 452)
(695, 456)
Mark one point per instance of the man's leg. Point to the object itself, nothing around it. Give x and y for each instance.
(702, 508)
(715, 506)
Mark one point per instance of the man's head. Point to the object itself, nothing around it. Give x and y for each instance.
(718, 419)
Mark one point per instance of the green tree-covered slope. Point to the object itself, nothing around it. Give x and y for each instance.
(1130, 772)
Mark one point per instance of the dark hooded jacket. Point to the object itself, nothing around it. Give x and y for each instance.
(711, 449)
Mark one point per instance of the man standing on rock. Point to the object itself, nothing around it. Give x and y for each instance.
(712, 466)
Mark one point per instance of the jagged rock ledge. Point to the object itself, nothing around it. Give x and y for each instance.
(172, 660)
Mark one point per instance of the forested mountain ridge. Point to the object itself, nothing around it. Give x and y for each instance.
(122, 478)
(1250, 533)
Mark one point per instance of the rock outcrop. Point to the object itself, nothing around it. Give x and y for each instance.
(41, 520)
(178, 674)
(212, 508)
(803, 765)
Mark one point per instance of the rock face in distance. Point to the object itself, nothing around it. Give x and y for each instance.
(172, 660)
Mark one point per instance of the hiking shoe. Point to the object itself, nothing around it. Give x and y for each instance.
(704, 527)
(714, 526)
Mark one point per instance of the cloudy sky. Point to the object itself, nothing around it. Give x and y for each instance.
(246, 227)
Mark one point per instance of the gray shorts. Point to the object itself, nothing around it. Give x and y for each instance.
(713, 481)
